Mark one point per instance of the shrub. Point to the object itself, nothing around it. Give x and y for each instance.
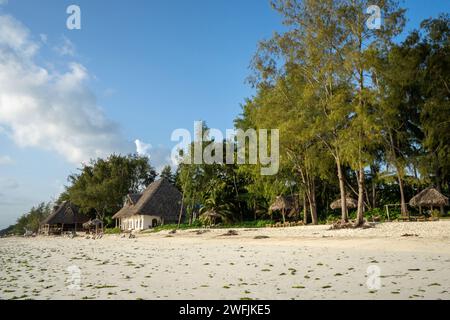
(112, 231)
(436, 214)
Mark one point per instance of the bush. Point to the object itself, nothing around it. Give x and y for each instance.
(247, 224)
(112, 231)
(436, 214)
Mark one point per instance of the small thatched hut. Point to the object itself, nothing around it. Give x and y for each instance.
(65, 217)
(430, 198)
(159, 204)
(351, 204)
(286, 204)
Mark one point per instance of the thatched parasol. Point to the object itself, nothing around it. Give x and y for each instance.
(93, 223)
(351, 204)
(429, 198)
(286, 203)
(210, 217)
(211, 214)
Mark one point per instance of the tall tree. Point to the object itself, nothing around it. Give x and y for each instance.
(102, 185)
(359, 41)
(167, 174)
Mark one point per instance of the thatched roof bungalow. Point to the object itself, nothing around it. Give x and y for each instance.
(351, 204)
(65, 217)
(430, 198)
(159, 204)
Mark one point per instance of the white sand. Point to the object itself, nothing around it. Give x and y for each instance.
(294, 263)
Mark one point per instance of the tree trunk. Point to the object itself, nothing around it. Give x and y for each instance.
(237, 196)
(311, 194)
(374, 190)
(404, 208)
(344, 213)
(305, 210)
(439, 187)
(313, 204)
(360, 214)
(402, 197)
(181, 211)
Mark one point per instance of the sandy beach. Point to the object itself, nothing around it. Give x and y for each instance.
(390, 261)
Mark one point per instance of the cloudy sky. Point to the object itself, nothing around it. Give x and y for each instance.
(136, 71)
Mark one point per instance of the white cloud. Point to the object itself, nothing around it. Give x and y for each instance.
(142, 148)
(66, 48)
(6, 160)
(50, 109)
(159, 157)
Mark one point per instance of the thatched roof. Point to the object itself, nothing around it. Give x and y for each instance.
(286, 203)
(134, 198)
(160, 199)
(92, 223)
(66, 213)
(429, 198)
(351, 204)
(211, 214)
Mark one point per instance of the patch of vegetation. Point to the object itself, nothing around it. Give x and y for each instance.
(112, 231)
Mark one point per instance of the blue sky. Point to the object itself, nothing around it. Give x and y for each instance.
(146, 68)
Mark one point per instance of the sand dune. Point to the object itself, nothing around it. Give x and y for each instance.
(291, 263)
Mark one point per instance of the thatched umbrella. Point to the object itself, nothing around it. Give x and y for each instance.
(210, 216)
(429, 198)
(351, 204)
(285, 203)
(96, 223)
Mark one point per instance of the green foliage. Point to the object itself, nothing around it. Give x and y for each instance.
(112, 231)
(198, 225)
(167, 174)
(435, 214)
(31, 220)
(102, 185)
(358, 114)
(183, 226)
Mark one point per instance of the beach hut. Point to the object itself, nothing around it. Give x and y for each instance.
(351, 204)
(430, 198)
(64, 218)
(159, 204)
(285, 204)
